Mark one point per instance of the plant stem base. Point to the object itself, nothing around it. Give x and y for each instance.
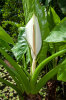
(32, 97)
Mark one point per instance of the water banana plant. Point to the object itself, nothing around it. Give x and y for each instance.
(32, 43)
(25, 81)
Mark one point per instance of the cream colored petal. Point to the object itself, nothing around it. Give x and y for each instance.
(29, 32)
(38, 40)
(33, 36)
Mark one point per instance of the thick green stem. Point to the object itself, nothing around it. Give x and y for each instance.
(43, 63)
(47, 77)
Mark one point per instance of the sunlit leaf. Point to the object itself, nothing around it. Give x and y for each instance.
(5, 36)
(21, 46)
(58, 34)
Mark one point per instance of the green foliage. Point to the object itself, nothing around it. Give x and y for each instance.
(53, 18)
(21, 47)
(12, 17)
(48, 76)
(47, 2)
(58, 34)
(12, 13)
(58, 5)
(4, 36)
(4, 45)
(62, 72)
(9, 84)
(25, 81)
(62, 5)
(20, 71)
(14, 24)
(42, 65)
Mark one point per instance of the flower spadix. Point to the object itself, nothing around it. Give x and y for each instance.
(33, 36)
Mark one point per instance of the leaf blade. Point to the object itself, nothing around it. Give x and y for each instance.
(58, 34)
(4, 36)
(20, 71)
(11, 85)
(48, 76)
(42, 65)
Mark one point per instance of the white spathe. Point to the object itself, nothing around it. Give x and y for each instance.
(33, 36)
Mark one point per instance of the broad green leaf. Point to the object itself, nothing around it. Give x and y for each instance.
(21, 46)
(62, 5)
(21, 31)
(20, 71)
(20, 49)
(5, 36)
(48, 76)
(62, 73)
(34, 7)
(58, 34)
(53, 18)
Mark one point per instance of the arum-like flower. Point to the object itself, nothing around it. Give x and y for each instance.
(33, 36)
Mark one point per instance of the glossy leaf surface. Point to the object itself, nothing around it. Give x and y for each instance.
(58, 34)
(21, 46)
